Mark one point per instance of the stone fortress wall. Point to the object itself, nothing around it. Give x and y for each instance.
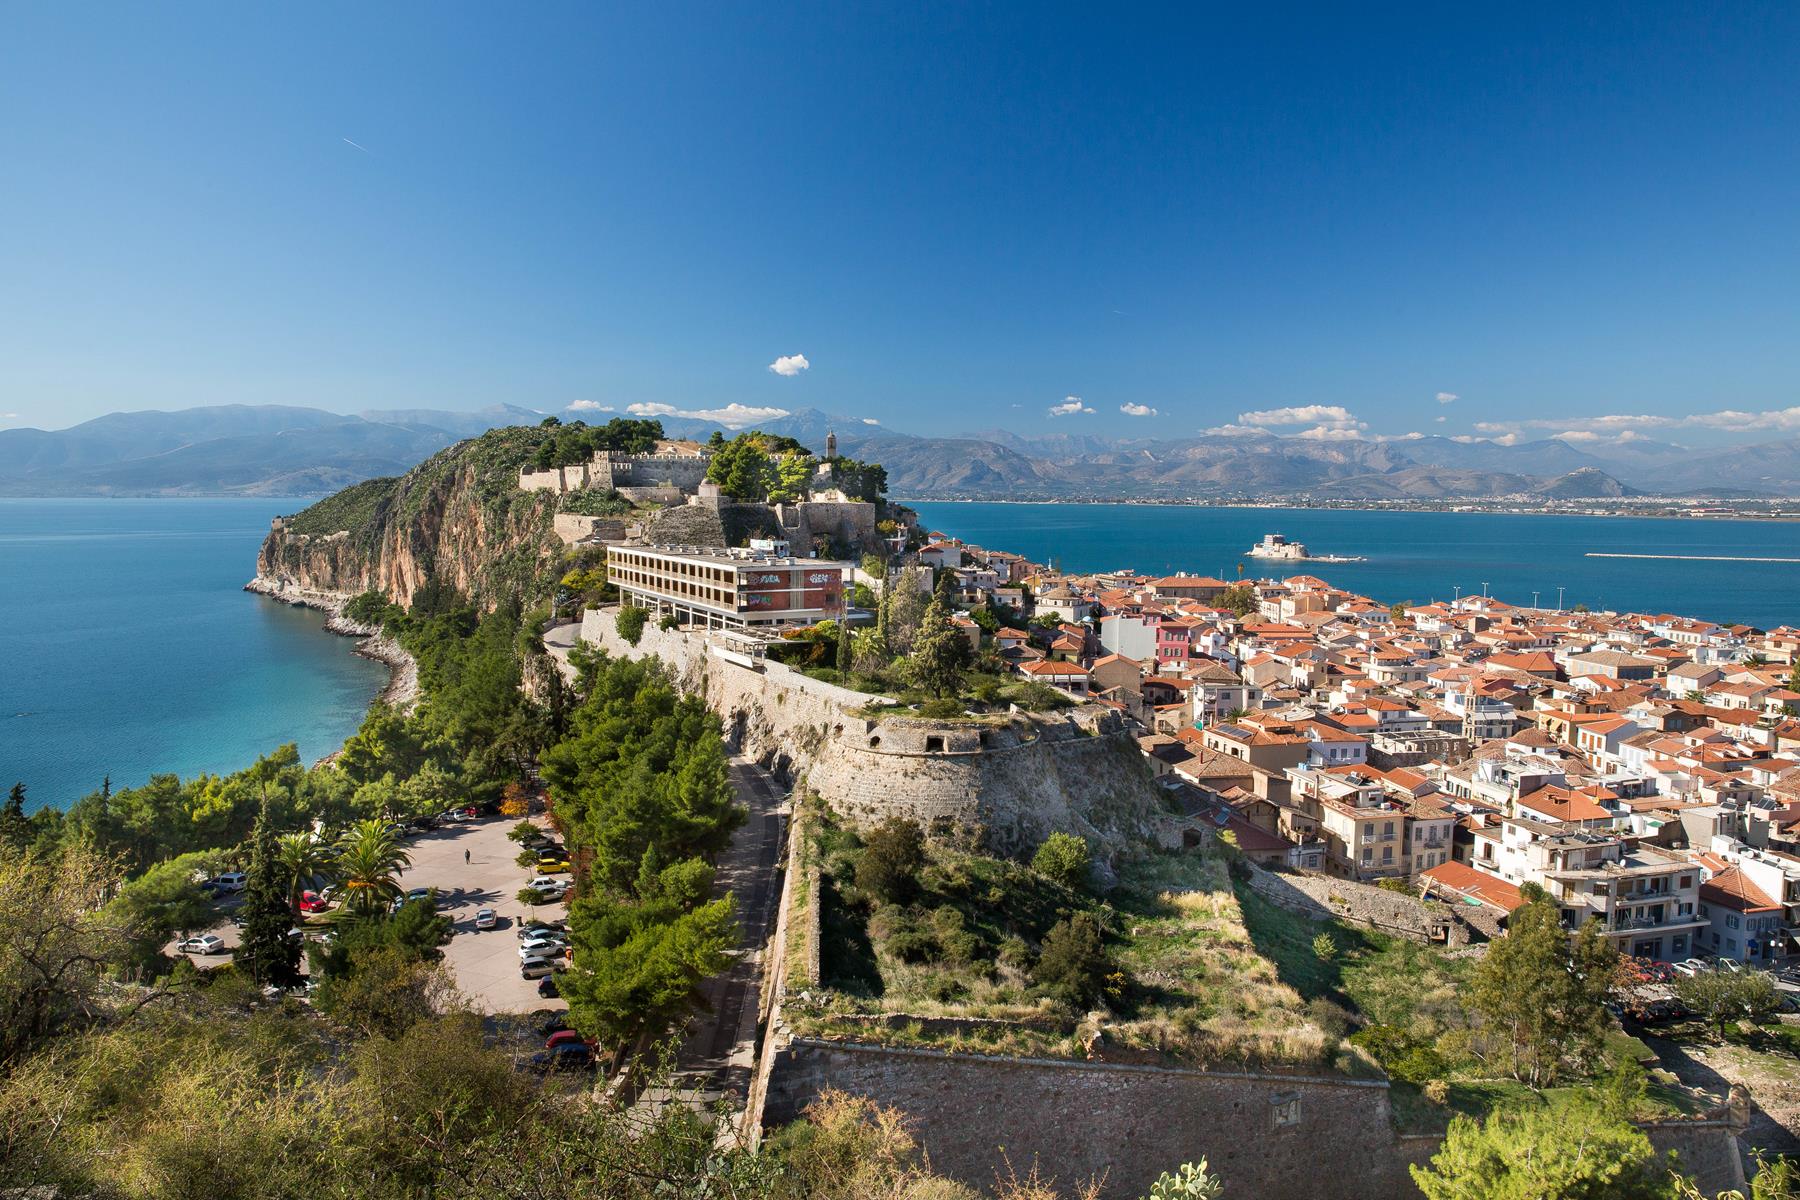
(1005, 784)
(681, 473)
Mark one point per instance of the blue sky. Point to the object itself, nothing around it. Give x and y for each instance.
(960, 216)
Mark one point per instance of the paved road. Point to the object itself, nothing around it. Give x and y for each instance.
(720, 1051)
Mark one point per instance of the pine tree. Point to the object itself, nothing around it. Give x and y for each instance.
(267, 955)
(15, 826)
(1544, 996)
(940, 653)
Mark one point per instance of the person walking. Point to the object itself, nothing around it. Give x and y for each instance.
(465, 858)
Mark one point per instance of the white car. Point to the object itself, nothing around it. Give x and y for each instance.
(230, 881)
(543, 947)
(204, 943)
(486, 918)
(548, 884)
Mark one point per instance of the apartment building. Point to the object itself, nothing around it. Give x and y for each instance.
(1646, 900)
(728, 589)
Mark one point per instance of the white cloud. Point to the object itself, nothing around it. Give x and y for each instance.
(1447, 397)
(1137, 410)
(789, 365)
(732, 416)
(1441, 420)
(870, 421)
(1070, 406)
(590, 406)
(1306, 414)
(1236, 431)
(1326, 420)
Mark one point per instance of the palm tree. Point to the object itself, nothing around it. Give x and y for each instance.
(302, 859)
(370, 859)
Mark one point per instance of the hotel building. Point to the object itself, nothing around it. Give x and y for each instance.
(728, 589)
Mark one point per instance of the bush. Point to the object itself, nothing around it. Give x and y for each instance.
(630, 623)
(1324, 947)
(891, 859)
(941, 710)
(1063, 857)
(668, 622)
(955, 941)
(1074, 960)
(1437, 1091)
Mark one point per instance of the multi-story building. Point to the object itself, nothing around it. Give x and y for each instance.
(1369, 832)
(728, 589)
(1645, 899)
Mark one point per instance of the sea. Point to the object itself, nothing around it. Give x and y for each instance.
(1421, 556)
(128, 647)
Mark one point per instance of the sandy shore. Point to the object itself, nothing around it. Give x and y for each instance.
(402, 689)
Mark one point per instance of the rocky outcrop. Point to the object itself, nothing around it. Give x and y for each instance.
(403, 670)
(458, 519)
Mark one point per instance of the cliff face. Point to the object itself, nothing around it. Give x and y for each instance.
(458, 518)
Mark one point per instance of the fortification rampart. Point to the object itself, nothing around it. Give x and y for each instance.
(1005, 782)
(1278, 1137)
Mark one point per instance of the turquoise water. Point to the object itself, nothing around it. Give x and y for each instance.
(127, 647)
(1419, 556)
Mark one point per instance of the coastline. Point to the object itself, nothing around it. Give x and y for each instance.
(402, 688)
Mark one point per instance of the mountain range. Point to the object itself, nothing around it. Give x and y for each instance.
(295, 451)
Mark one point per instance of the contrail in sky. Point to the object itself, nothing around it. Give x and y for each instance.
(364, 149)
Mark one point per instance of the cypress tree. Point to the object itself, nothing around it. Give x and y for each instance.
(267, 955)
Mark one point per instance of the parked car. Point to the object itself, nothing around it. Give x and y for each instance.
(312, 902)
(1692, 966)
(539, 928)
(547, 988)
(486, 918)
(554, 1023)
(551, 863)
(565, 1037)
(469, 812)
(542, 947)
(1732, 965)
(577, 1057)
(204, 943)
(544, 883)
(537, 966)
(230, 881)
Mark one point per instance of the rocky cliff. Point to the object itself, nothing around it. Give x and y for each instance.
(458, 518)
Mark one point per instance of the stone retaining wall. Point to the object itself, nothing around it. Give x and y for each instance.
(1277, 1137)
(1321, 898)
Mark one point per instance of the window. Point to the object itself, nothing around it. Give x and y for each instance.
(1731, 945)
(1731, 921)
(1369, 830)
(1387, 854)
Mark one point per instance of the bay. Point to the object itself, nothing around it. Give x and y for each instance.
(1419, 556)
(128, 648)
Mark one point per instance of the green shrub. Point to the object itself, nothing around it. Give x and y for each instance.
(630, 623)
(668, 622)
(941, 710)
(891, 858)
(1075, 961)
(1063, 857)
(1324, 947)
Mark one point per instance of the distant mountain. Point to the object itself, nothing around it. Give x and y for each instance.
(231, 449)
(1588, 483)
(274, 450)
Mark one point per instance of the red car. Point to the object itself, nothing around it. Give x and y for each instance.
(564, 1037)
(312, 902)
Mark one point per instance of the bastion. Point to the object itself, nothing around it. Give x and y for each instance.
(1003, 782)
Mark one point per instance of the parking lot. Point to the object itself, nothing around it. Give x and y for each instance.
(484, 962)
